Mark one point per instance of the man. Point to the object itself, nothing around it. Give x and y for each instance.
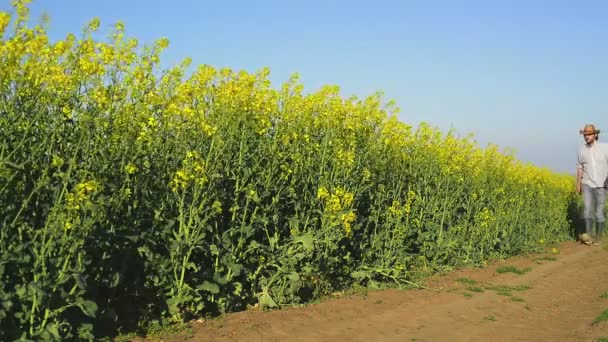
(592, 171)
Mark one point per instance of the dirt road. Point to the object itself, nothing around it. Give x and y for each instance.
(553, 299)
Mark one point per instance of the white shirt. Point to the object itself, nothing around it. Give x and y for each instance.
(593, 160)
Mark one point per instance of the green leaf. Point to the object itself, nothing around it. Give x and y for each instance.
(133, 238)
(169, 225)
(359, 275)
(238, 288)
(210, 287)
(266, 300)
(7, 305)
(306, 240)
(80, 281)
(235, 268)
(51, 333)
(85, 332)
(220, 279)
(213, 249)
(88, 307)
(293, 276)
(172, 305)
(115, 279)
(294, 222)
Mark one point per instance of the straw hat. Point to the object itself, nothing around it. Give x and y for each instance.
(589, 129)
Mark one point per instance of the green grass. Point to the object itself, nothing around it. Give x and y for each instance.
(604, 295)
(162, 332)
(125, 337)
(512, 269)
(155, 332)
(521, 287)
(502, 292)
(517, 299)
(475, 289)
(508, 287)
(489, 318)
(545, 258)
(507, 291)
(467, 294)
(467, 281)
(603, 317)
(602, 339)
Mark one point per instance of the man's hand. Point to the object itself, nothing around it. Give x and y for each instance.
(578, 188)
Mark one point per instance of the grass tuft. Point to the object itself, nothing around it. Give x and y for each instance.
(475, 289)
(546, 258)
(603, 317)
(467, 281)
(489, 318)
(512, 269)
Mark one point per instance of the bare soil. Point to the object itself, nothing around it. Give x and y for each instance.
(554, 300)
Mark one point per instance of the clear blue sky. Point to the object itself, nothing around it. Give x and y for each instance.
(522, 74)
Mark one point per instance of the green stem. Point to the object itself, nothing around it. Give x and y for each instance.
(33, 311)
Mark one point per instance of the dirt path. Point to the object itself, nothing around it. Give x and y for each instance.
(556, 300)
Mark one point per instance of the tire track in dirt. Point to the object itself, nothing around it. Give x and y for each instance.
(560, 305)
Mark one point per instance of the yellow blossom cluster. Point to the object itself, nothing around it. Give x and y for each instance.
(193, 171)
(338, 207)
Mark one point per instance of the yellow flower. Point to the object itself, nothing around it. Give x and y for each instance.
(162, 43)
(67, 112)
(333, 205)
(347, 199)
(21, 8)
(217, 207)
(322, 193)
(152, 122)
(395, 208)
(366, 174)
(94, 24)
(81, 194)
(57, 161)
(130, 168)
(180, 180)
(119, 26)
(347, 220)
(5, 19)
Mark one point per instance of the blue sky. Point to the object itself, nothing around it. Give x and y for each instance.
(522, 74)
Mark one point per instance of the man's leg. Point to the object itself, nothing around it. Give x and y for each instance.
(600, 204)
(588, 208)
